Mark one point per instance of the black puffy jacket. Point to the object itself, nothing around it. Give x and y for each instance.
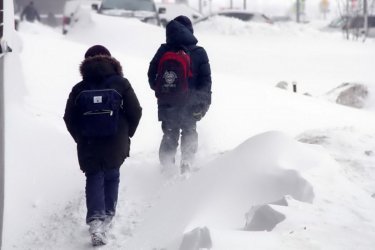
(107, 152)
(178, 36)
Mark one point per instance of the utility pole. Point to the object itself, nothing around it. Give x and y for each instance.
(1, 20)
(365, 17)
(244, 4)
(2, 123)
(231, 4)
(349, 14)
(298, 10)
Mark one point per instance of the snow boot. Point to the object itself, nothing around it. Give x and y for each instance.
(98, 239)
(107, 223)
(97, 232)
(95, 226)
(185, 167)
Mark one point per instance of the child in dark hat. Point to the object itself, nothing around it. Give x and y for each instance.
(184, 20)
(97, 50)
(180, 119)
(103, 143)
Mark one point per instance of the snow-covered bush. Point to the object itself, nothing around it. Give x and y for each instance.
(350, 94)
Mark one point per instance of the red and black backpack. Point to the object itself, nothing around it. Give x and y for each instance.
(172, 80)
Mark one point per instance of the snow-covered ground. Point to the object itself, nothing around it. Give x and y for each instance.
(275, 169)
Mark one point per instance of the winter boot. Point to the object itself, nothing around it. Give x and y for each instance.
(98, 239)
(96, 230)
(107, 223)
(95, 226)
(185, 167)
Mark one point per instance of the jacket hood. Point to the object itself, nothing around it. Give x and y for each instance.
(178, 34)
(99, 67)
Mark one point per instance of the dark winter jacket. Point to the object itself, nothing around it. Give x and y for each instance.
(30, 13)
(107, 152)
(178, 36)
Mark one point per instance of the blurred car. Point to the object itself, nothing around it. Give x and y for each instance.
(168, 11)
(241, 15)
(279, 19)
(144, 10)
(354, 24)
(339, 22)
(74, 11)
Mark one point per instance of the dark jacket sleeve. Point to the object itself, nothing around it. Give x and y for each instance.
(71, 115)
(132, 108)
(203, 79)
(153, 68)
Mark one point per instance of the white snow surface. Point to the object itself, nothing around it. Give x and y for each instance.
(258, 144)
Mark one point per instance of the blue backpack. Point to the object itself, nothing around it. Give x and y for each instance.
(99, 111)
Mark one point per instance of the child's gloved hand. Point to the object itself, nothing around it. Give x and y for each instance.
(197, 115)
(198, 111)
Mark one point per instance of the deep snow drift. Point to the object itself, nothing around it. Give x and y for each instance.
(259, 180)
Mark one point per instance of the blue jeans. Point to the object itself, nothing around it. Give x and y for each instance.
(102, 193)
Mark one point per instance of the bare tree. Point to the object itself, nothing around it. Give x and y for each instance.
(356, 18)
(344, 9)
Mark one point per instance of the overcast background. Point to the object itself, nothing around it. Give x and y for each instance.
(269, 7)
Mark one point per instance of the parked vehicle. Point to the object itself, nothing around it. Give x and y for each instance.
(354, 24)
(281, 19)
(241, 15)
(144, 10)
(75, 11)
(168, 11)
(339, 22)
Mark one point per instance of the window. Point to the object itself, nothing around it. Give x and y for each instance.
(238, 15)
(134, 5)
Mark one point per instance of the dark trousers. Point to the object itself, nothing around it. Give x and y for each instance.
(171, 135)
(102, 193)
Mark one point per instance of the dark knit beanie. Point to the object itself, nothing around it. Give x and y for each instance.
(97, 50)
(184, 20)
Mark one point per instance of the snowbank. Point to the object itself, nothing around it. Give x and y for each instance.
(262, 170)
